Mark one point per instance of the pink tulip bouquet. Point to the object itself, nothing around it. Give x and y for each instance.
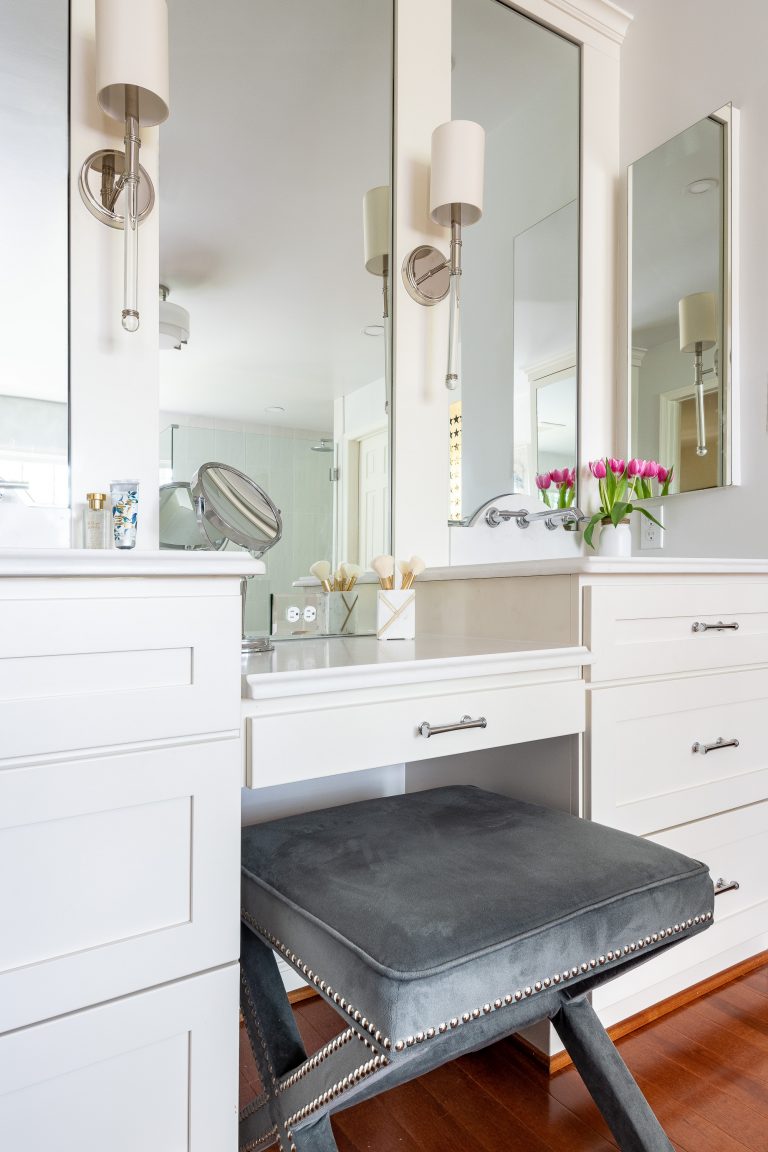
(620, 485)
(557, 487)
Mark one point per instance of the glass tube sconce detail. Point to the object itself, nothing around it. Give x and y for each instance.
(698, 333)
(455, 200)
(132, 86)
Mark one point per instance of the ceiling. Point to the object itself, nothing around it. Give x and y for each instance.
(280, 122)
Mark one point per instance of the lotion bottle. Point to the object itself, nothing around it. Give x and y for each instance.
(96, 521)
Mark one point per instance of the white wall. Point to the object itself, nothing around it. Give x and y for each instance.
(682, 60)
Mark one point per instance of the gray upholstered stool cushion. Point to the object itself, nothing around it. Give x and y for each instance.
(428, 912)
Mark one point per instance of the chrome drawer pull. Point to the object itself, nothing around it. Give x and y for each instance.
(719, 627)
(426, 729)
(722, 885)
(719, 743)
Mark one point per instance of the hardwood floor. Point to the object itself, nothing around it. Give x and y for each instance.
(704, 1069)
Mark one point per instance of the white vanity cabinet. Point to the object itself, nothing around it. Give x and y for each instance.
(677, 702)
(119, 851)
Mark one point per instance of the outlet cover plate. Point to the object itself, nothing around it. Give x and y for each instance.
(651, 536)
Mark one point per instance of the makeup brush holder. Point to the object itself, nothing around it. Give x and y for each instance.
(396, 614)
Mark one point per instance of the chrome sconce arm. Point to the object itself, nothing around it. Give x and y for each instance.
(131, 41)
(698, 333)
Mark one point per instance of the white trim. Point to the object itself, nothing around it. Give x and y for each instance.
(608, 19)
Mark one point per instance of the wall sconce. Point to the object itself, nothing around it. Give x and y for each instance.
(132, 85)
(174, 322)
(455, 199)
(698, 332)
(376, 237)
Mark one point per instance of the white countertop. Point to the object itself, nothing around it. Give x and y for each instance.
(603, 566)
(304, 666)
(126, 562)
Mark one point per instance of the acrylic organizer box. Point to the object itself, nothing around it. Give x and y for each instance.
(396, 614)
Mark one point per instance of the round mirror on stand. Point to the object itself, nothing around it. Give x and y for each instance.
(221, 505)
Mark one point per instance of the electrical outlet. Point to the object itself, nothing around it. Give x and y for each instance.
(651, 536)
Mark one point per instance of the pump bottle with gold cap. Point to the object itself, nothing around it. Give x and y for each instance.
(96, 521)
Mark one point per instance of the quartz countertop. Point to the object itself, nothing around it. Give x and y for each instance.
(126, 562)
(603, 566)
(335, 662)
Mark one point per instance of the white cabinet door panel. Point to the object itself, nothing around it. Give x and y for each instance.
(645, 775)
(646, 628)
(119, 872)
(156, 1072)
(91, 672)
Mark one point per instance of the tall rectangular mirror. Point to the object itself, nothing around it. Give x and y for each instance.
(515, 414)
(275, 233)
(680, 223)
(34, 360)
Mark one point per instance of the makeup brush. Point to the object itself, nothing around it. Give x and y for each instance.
(321, 570)
(384, 567)
(353, 572)
(404, 568)
(340, 578)
(415, 568)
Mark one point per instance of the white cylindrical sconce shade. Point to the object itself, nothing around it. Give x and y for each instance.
(458, 165)
(698, 321)
(376, 229)
(132, 50)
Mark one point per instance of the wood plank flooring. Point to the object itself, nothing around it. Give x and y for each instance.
(704, 1069)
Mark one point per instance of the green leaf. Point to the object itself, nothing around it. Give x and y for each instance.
(590, 528)
(619, 511)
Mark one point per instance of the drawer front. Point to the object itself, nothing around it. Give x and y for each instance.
(734, 845)
(646, 629)
(645, 775)
(287, 746)
(156, 1071)
(125, 873)
(94, 672)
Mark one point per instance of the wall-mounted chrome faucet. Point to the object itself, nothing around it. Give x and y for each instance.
(552, 517)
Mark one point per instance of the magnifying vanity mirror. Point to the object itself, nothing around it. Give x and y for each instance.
(680, 302)
(278, 249)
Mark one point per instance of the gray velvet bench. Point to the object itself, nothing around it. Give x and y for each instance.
(436, 923)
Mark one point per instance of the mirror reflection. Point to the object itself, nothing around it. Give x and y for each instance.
(34, 205)
(281, 262)
(679, 354)
(515, 416)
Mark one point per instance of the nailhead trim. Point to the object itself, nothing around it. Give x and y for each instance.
(317, 1059)
(257, 1022)
(323, 985)
(337, 1089)
(540, 985)
(272, 1135)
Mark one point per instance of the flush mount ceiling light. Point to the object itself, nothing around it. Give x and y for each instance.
(373, 330)
(174, 322)
(274, 409)
(455, 199)
(132, 86)
(699, 187)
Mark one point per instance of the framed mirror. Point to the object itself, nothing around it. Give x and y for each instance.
(34, 359)
(515, 413)
(276, 249)
(680, 304)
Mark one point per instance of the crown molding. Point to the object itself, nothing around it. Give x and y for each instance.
(600, 15)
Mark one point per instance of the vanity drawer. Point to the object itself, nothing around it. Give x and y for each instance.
(102, 664)
(285, 744)
(645, 775)
(646, 629)
(119, 872)
(734, 846)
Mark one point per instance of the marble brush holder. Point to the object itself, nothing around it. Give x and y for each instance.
(396, 614)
